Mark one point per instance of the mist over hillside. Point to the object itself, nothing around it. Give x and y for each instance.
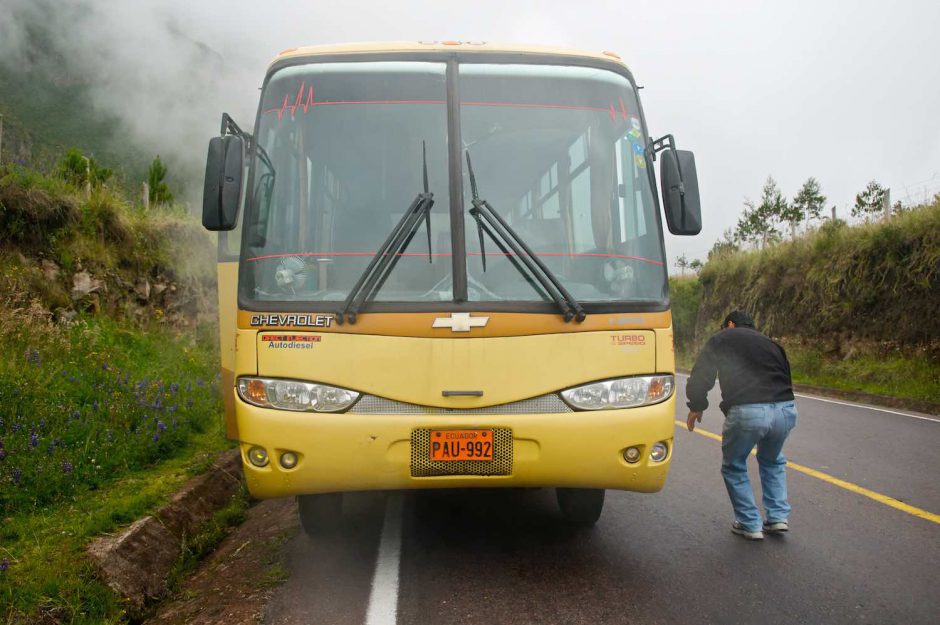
(122, 81)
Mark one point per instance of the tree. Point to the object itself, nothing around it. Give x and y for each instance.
(870, 201)
(682, 263)
(728, 244)
(807, 204)
(696, 265)
(80, 171)
(773, 209)
(159, 191)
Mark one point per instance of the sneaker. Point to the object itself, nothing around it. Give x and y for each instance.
(776, 527)
(740, 530)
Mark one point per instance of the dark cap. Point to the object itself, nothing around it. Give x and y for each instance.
(739, 318)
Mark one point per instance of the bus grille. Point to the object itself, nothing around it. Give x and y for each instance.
(423, 466)
(543, 404)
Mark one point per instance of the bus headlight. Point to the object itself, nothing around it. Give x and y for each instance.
(620, 393)
(295, 395)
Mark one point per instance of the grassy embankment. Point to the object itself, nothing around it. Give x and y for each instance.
(108, 388)
(855, 307)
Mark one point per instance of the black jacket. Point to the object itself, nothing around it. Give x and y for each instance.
(751, 369)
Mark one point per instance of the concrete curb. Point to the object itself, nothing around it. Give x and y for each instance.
(136, 562)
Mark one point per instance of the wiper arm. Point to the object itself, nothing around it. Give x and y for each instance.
(568, 305)
(385, 259)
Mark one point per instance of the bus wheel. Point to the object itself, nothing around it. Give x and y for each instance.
(320, 514)
(581, 506)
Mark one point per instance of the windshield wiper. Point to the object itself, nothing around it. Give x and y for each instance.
(496, 225)
(385, 259)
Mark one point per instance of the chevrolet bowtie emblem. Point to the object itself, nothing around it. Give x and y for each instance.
(460, 322)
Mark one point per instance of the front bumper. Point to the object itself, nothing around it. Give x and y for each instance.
(348, 452)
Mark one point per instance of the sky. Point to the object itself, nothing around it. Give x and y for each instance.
(845, 92)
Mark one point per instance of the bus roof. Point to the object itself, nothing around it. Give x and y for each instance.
(441, 46)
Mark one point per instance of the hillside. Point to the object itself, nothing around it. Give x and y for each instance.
(854, 305)
(108, 386)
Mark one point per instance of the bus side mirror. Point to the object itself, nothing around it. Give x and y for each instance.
(223, 184)
(680, 192)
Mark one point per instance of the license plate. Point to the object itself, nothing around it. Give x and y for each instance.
(459, 445)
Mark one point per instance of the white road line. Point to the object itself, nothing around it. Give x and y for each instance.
(853, 405)
(867, 407)
(383, 601)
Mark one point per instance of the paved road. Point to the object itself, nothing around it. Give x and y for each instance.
(493, 557)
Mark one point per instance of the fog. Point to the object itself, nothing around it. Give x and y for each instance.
(792, 89)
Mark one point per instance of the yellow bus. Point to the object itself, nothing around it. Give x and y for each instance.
(441, 265)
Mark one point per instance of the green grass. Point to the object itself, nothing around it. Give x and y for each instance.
(891, 373)
(84, 403)
(874, 282)
(108, 399)
(101, 423)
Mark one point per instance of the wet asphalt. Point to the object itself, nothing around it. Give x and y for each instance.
(507, 556)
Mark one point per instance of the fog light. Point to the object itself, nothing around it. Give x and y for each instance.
(288, 460)
(631, 454)
(258, 456)
(658, 452)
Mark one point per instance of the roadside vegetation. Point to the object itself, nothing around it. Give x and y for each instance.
(855, 306)
(108, 386)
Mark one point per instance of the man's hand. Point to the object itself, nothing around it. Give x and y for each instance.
(692, 418)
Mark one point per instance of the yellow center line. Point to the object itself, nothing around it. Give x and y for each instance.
(855, 488)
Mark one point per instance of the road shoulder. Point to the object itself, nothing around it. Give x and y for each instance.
(235, 582)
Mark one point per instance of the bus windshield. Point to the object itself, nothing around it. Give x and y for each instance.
(558, 152)
(346, 143)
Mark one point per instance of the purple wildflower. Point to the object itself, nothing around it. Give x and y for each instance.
(33, 439)
(156, 437)
(76, 414)
(174, 388)
(161, 426)
(94, 405)
(17, 476)
(42, 424)
(16, 428)
(66, 466)
(4, 565)
(157, 404)
(171, 409)
(104, 366)
(33, 357)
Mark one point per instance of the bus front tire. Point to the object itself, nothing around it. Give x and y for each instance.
(581, 506)
(320, 514)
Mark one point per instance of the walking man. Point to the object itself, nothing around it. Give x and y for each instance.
(757, 400)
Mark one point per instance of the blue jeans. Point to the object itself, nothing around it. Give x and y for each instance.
(767, 427)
